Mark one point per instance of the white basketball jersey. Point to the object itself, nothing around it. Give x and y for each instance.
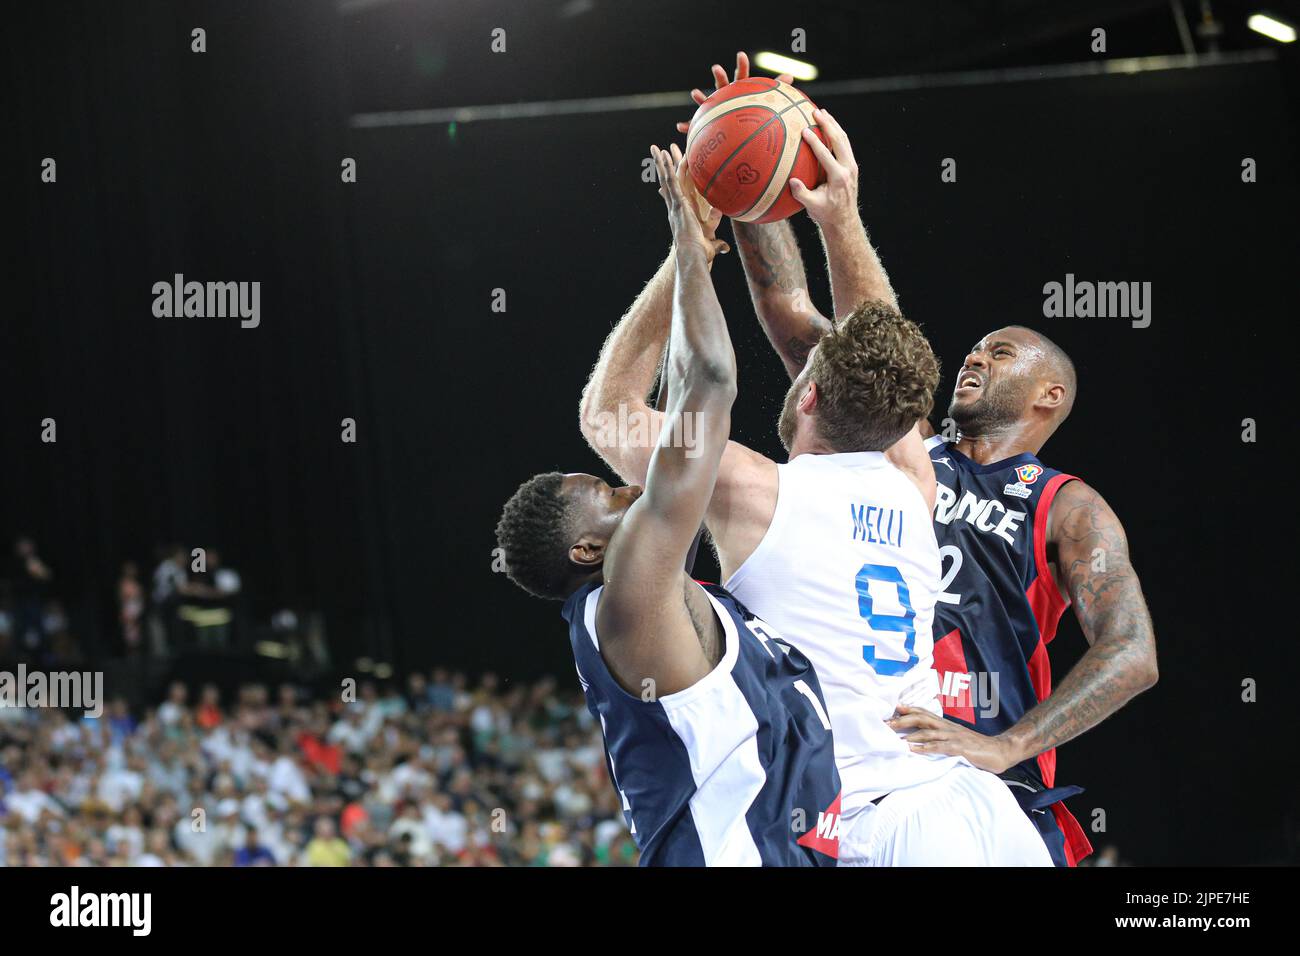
(848, 572)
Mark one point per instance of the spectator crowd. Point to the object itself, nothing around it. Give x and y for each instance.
(435, 774)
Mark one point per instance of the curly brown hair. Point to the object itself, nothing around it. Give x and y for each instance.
(876, 375)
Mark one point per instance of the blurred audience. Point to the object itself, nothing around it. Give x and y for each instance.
(430, 772)
(440, 775)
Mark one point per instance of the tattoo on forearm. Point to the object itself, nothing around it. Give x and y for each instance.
(771, 255)
(1108, 600)
(797, 349)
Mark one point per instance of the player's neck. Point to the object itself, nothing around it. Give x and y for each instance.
(809, 444)
(998, 445)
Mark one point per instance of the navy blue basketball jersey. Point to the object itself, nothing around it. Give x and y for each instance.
(999, 605)
(736, 770)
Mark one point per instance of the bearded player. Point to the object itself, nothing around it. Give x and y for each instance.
(836, 548)
(715, 731)
(1020, 541)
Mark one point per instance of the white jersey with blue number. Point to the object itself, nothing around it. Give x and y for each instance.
(851, 565)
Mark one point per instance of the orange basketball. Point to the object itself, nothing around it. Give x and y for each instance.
(744, 144)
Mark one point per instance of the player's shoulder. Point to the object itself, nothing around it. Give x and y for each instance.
(742, 467)
(1075, 494)
(1078, 509)
(743, 454)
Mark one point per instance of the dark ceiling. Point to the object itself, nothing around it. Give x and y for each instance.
(413, 54)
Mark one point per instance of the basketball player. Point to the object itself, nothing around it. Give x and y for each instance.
(1020, 541)
(716, 734)
(837, 547)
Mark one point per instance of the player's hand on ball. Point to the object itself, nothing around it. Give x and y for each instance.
(927, 734)
(720, 80)
(693, 221)
(834, 202)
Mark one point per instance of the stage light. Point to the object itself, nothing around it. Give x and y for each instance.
(777, 63)
(1274, 29)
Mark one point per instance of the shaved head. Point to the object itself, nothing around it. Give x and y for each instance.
(1055, 366)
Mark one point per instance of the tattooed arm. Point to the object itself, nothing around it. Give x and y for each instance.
(774, 267)
(1086, 542)
(771, 256)
(1087, 545)
(779, 289)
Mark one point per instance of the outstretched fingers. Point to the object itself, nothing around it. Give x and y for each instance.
(742, 66)
(668, 163)
(720, 80)
(822, 152)
(662, 173)
(839, 139)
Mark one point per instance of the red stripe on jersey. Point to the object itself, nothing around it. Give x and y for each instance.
(1048, 605)
(1040, 672)
(1044, 596)
(1077, 844)
(950, 658)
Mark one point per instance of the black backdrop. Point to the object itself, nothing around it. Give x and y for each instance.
(377, 301)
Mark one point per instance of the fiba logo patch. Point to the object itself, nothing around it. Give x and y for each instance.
(746, 174)
(1029, 473)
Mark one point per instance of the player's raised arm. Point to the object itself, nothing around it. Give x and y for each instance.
(619, 423)
(614, 414)
(701, 380)
(770, 254)
(773, 266)
(649, 609)
(856, 273)
(621, 379)
(778, 287)
(700, 369)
